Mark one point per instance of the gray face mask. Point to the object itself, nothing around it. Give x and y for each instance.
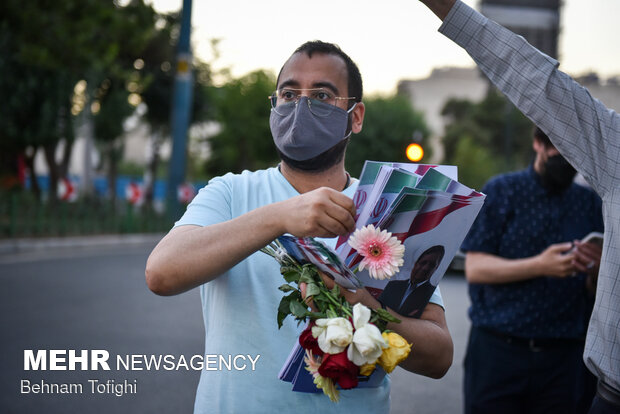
(301, 134)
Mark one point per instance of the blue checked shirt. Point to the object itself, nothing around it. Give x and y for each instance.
(584, 131)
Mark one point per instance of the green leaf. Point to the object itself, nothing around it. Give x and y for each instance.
(336, 291)
(387, 316)
(290, 274)
(298, 309)
(286, 288)
(330, 313)
(283, 309)
(281, 317)
(312, 289)
(316, 315)
(308, 274)
(284, 306)
(295, 295)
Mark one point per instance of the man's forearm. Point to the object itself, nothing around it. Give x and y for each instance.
(432, 348)
(487, 268)
(192, 255)
(441, 8)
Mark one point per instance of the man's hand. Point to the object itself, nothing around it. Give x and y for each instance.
(439, 7)
(587, 259)
(556, 260)
(323, 212)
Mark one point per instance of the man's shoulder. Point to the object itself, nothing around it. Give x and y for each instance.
(429, 286)
(246, 175)
(511, 177)
(246, 180)
(506, 182)
(583, 191)
(397, 283)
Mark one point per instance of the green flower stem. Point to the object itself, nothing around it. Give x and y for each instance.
(335, 302)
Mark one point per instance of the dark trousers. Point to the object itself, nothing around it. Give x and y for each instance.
(505, 376)
(606, 401)
(601, 406)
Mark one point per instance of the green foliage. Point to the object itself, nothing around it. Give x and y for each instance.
(389, 126)
(158, 74)
(114, 109)
(46, 48)
(476, 163)
(64, 35)
(130, 168)
(486, 138)
(242, 109)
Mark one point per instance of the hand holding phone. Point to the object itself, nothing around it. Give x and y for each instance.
(594, 237)
(587, 253)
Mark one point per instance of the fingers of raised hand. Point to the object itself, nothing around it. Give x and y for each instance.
(321, 213)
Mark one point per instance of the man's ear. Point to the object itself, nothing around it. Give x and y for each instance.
(358, 118)
(537, 146)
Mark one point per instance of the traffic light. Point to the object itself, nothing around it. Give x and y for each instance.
(415, 152)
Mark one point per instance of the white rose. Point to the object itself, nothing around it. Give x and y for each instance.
(333, 334)
(367, 344)
(361, 315)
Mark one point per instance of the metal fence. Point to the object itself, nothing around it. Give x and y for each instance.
(22, 215)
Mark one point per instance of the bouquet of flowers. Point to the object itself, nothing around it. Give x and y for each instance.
(342, 341)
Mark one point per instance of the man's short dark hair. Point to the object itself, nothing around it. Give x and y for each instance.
(438, 249)
(354, 81)
(541, 137)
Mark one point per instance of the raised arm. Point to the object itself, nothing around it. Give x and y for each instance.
(441, 8)
(580, 127)
(192, 255)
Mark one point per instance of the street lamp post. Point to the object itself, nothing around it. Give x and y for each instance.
(181, 109)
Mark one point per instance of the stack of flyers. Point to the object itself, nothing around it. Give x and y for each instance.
(427, 209)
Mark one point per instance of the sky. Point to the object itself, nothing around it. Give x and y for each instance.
(390, 40)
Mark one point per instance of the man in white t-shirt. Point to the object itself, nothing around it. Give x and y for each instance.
(214, 246)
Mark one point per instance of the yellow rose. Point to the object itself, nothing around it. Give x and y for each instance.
(397, 351)
(367, 369)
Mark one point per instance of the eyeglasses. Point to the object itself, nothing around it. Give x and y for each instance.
(320, 101)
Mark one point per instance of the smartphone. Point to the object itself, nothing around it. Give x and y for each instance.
(594, 237)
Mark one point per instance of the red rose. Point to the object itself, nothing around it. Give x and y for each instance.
(340, 369)
(307, 341)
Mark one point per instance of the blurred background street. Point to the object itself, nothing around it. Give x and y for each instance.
(115, 113)
(96, 298)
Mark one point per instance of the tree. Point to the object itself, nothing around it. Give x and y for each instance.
(485, 138)
(108, 126)
(242, 110)
(389, 126)
(36, 103)
(48, 53)
(118, 93)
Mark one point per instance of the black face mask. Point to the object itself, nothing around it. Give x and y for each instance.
(557, 174)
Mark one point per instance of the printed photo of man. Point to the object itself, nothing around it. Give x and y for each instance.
(409, 297)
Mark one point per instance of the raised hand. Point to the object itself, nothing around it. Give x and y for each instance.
(323, 212)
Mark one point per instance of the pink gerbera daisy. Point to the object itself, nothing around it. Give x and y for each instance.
(383, 254)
